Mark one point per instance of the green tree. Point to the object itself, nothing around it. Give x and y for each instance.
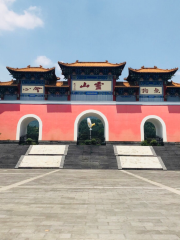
(149, 130)
(33, 130)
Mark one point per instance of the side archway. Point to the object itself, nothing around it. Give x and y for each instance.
(23, 123)
(91, 113)
(159, 124)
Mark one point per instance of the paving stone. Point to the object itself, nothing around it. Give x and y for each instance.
(89, 204)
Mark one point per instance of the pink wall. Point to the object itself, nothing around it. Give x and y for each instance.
(58, 120)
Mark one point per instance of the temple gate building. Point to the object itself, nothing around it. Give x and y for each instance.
(90, 89)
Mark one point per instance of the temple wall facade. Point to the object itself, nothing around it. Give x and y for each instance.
(59, 122)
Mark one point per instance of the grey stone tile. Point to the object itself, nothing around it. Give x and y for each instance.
(89, 204)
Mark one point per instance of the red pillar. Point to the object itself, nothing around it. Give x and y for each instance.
(164, 91)
(46, 94)
(69, 93)
(137, 94)
(114, 84)
(18, 92)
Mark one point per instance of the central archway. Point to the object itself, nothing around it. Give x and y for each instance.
(91, 113)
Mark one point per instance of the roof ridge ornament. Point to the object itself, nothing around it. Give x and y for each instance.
(28, 66)
(155, 67)
(142, 67)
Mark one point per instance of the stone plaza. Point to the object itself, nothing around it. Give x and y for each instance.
(89, 204)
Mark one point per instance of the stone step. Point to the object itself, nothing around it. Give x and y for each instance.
(170, 156)
(90, 157)
(10, 154)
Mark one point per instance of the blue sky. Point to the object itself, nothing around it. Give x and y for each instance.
(140, 32)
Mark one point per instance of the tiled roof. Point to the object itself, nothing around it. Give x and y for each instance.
(125, 84)
(91, 64)
(173, 84)
(153, 70)
(59, 84)
(10, 83)
(31, 69)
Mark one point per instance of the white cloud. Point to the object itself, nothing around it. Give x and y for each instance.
(44, 61)
(9, 20)
(48, 63)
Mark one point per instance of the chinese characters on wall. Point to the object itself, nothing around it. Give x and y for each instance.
(151, 90)
(91, 86)
(32, 89)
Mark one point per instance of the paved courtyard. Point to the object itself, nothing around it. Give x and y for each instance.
(89, 204)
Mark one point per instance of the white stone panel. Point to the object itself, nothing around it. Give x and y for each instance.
(87, 86)
(151, 90)
(48, 149)
(41, 161)
(140, 162)
(32, 89)
(134, 150)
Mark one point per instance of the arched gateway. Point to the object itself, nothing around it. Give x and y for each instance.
(159, 124)
(95, 85)
(91, 113)
(23, 123)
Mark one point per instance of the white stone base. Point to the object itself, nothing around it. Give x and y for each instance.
(48, 149)
(133, 150)
(140, 162)
(41, 161)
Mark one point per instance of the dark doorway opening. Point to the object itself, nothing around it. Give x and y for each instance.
(150, 133)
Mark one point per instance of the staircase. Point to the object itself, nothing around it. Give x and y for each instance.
(10, 154)
(170, 155)
(90, 157)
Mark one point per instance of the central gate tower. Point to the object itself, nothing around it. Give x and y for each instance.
(92, 81)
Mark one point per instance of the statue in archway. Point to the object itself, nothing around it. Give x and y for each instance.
(90, 125)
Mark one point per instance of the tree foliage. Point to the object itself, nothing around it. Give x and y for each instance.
(149, 130)
(33, 132)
